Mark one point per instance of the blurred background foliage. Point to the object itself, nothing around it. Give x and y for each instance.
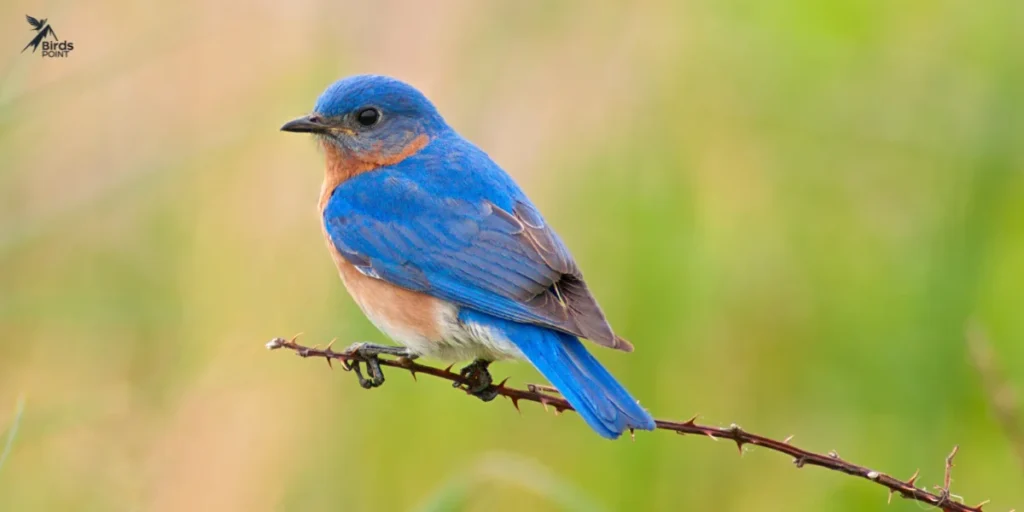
(794, 209)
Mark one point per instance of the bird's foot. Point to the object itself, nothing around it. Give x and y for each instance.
(367, 353)
(476, 380)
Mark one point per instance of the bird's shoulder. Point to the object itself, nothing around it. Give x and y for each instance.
(448, 172)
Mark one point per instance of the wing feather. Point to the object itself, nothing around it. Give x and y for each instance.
(466, 249)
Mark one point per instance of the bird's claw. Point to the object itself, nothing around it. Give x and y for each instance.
(477, 381)
(372, 368)
(367, 353)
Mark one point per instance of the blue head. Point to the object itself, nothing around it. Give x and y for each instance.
(371, 118)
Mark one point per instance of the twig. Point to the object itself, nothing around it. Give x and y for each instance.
(801, 457)
(947, 478)
(1000, 396)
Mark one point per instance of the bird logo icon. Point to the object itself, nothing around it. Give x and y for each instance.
(43, 30)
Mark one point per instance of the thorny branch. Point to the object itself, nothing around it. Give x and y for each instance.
(943, 500)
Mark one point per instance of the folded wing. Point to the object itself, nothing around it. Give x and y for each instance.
(465, 248)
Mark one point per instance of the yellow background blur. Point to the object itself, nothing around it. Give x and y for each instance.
(793, 209)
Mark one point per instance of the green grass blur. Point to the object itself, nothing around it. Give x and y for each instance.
(793, 209)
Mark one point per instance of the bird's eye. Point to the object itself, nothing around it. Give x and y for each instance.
(368, 116)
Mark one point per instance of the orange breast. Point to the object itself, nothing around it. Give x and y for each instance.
(408, 317)
(341, 166)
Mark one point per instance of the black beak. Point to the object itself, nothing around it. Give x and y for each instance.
(306, 124)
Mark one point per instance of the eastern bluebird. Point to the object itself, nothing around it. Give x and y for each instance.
(448, 257)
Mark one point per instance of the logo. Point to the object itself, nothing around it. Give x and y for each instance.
(52, 49)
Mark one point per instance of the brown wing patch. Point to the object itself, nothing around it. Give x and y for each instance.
(544, 240)
(567, 303)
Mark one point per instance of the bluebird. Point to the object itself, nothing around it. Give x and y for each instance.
(446, 255)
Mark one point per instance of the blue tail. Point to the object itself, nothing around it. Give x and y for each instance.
(602, 402)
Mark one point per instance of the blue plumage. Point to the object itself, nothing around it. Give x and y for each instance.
(426, 210)
(562, 359)
(428, 227)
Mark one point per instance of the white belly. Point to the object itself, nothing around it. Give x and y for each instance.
(458, 341)
(426, 325)
(465, 341)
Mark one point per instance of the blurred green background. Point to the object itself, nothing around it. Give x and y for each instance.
(793, 209)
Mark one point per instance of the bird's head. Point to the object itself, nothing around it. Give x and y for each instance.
(375, 119)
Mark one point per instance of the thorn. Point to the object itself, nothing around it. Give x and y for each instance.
(913, 478)
(449, 368)
(348, 364)
(295, 337)
(515, 403)
(736, 431)
(799, 462)
(982, 504)
(328, 347)
(501, 385)
(690, 422)
(544, 402)
(888, 500)
(739, 445)
(329, 363)
(413, 373)
(788, 439)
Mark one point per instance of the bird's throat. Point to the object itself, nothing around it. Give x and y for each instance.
(341, 165)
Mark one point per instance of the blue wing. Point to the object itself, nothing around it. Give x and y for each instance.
(449, 222)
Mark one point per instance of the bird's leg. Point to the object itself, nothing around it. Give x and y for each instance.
(477, 380)
(367, 353)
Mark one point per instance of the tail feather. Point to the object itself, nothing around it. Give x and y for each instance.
(602, 402)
